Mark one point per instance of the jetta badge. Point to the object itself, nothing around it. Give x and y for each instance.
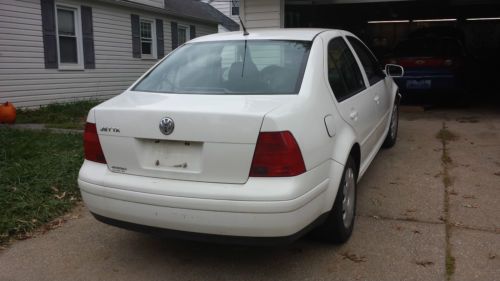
(167, 125)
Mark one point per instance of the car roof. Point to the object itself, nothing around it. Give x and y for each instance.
(303, 34)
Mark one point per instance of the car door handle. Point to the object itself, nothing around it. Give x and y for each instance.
(377, 99)
(354, 115)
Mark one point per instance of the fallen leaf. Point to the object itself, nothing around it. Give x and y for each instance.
(424, 263)
(492, 256)
(375, 217)
(453, 192)
(54, 189)
(497, 174)
(353, 257)
(469, 197)
(411, 210)
(470, 206)
(24, 236)
(60, 196)
(417, 232)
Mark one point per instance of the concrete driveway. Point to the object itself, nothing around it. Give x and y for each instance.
(428, 209)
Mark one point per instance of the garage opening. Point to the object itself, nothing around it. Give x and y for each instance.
(421, 32)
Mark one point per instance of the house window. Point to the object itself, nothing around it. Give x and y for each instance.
(235, 7)
(148, 37)
(182, 34)
(69, 38)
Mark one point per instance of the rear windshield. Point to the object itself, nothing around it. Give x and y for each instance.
(429, 47)
(263, 67)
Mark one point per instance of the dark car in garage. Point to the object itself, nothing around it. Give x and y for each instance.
(432, 65)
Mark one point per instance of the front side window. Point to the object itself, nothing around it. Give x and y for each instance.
(344, 74)
(369, 62)
(235, 7)
(147, 38)
(260, 67)
(68, 36)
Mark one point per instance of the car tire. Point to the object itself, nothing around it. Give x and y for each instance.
(392, 134)
(339, 224)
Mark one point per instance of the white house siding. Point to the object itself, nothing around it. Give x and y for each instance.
(263, 13)
(24, 79)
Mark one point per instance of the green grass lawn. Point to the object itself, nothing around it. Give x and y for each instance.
(65, 116)
(38, 172)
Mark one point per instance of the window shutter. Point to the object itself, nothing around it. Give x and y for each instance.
(49, 33)
(88, 38)
(175, 35)
(136, 36)
(192, 31)
(160, 47)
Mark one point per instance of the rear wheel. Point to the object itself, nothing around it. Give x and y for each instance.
(392, 134)
(340, 222)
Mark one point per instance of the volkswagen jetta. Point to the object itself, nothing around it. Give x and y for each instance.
(256, 137)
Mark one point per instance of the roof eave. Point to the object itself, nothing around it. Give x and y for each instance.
(158, 10)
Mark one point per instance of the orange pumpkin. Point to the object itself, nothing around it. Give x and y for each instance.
(7, 113)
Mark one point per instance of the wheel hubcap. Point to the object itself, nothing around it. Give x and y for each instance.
(394, 122)
(349, 192)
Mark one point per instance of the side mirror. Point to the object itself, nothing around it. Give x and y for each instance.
(394, 70)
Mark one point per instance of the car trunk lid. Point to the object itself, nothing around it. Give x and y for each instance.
(213, 139)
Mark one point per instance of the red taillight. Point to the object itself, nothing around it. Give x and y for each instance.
(91, 144)
(277, 154)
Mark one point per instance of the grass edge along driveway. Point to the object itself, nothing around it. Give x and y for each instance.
(38, 172)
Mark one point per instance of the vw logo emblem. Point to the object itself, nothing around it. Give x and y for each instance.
(167, 125)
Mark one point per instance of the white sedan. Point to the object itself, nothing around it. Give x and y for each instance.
(243, 138)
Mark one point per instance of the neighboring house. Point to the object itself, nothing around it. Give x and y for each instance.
(231, 9)
(263, 13)
(63, 50)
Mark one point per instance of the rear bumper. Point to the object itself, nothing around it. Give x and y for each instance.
(303, 200)
(221, 239)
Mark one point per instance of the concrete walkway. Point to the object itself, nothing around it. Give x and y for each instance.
(419, 218)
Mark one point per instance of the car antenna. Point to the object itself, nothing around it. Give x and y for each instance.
(245, 32)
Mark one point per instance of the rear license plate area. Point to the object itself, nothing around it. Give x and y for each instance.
(418, 84)
(167, 155)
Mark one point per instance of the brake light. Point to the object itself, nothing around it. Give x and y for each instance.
(91, 144)
(277, 154)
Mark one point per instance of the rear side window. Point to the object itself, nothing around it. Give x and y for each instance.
(344, 74)
(369, 62)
